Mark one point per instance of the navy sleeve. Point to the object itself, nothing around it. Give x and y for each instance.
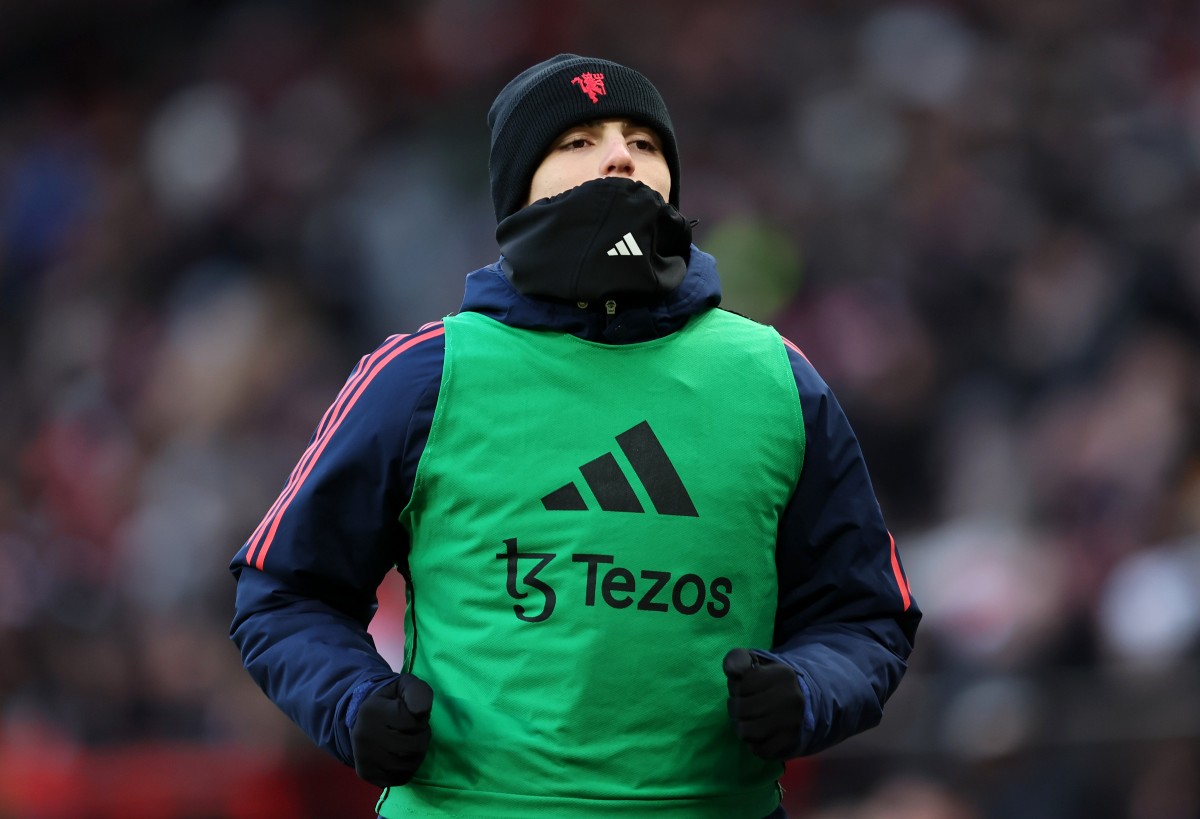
(846, 619)
(307, 577)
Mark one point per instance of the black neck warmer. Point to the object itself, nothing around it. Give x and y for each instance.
(608, 241)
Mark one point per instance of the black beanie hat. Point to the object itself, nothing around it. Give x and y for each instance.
(546, 99)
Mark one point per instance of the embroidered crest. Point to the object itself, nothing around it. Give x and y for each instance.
(591, 84)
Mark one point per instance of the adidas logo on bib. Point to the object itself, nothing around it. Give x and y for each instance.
(611, 488)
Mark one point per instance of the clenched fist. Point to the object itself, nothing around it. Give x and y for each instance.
(765, 702)
(391, 732)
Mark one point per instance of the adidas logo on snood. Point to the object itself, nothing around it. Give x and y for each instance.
(625, 246)
(616, 586)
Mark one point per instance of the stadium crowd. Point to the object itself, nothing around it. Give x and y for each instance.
(979, 219)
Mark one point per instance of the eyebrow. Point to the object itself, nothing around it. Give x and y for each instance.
(627, 124)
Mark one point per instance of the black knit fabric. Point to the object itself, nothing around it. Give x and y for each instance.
(544, 100)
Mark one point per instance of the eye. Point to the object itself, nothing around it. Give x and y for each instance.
(573, 143)
(644, 144)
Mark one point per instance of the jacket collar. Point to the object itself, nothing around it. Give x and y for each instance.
(489, 292)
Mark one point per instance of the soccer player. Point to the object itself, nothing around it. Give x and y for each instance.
(645, 563)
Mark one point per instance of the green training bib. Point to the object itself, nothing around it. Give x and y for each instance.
(593, 527)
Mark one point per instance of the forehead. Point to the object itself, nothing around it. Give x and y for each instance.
(623, 123)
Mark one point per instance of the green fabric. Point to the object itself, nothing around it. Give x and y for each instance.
(575, 650)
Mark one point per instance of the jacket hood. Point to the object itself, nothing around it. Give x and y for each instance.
(489, 292)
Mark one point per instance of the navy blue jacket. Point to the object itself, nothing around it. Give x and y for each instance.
(307, 577)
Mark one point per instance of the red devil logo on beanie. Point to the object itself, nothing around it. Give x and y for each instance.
(591, 84)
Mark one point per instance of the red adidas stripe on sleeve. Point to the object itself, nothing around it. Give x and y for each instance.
(897, 572)
(901, 580)
(795, 349)
(364, 364)
(360, 379)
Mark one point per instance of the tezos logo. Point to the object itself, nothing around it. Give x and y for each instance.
(650, 590)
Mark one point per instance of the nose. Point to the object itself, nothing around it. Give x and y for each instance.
(617, 160)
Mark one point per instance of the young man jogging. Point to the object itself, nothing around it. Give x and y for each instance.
(645, 564)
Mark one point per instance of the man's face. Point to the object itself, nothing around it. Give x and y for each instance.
(593, 150)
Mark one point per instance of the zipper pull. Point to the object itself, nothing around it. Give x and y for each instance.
(610, 307)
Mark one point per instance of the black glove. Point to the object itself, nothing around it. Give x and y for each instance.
(766, 703)
(391, 732)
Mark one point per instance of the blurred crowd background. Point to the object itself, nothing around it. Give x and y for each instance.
(978, 218)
